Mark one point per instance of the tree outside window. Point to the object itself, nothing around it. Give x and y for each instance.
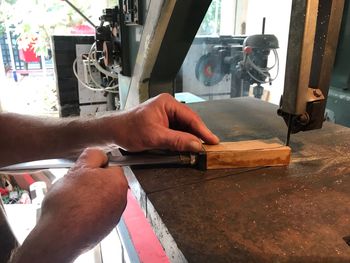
(36, 20)
(211, 22)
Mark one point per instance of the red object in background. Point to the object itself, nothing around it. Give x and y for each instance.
(83, 30)
(28, 55)
(142, 235)
(23, 180)
(248, 50)
(4, 191)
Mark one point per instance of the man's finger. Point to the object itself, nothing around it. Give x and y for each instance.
(182, 114)
(92, 158)
(179, 141)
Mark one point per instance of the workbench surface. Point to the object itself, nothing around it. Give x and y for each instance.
(299, 213)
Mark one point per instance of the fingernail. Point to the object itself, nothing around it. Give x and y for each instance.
(196, 146)
(217, 138)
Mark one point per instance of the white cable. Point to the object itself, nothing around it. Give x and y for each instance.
(263, 71)
(98, 85)
(112, 87)
(103, 71)
(257, 80)
(82, 82)
(276, 59)
(278, 64)
(251, 64)
(108, 88)
(92, 57)
(98, 67)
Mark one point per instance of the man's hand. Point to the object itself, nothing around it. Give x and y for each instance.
(162, 123)
(159, 123)
(77, 212)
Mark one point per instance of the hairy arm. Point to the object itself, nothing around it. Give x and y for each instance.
(25, 138)
(159, 123)
(74, 218)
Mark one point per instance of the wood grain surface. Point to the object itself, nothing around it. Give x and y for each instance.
(252, 153)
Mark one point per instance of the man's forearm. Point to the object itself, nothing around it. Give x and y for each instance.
(51, 242)
(147, 126)
(26, 138)
(72, 219)
(43, 246)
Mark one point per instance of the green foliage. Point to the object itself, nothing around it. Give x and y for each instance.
(3, 14)
(112, 3)
(211, 21)
(36, 20)
(11, 2)
(2, 28)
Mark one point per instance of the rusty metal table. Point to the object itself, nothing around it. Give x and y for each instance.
(299, 213)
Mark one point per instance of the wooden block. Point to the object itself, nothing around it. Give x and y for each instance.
(254, 153)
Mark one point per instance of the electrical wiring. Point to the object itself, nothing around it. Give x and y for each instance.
(87, 86)
(93, 79)
(92, 61)
(256, 79)
(263, 71)
(109, 85)
(92, 57)
(108, 88)
(276, 60)
(78, 78)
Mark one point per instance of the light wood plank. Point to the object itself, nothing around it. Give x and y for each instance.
(254, 153)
